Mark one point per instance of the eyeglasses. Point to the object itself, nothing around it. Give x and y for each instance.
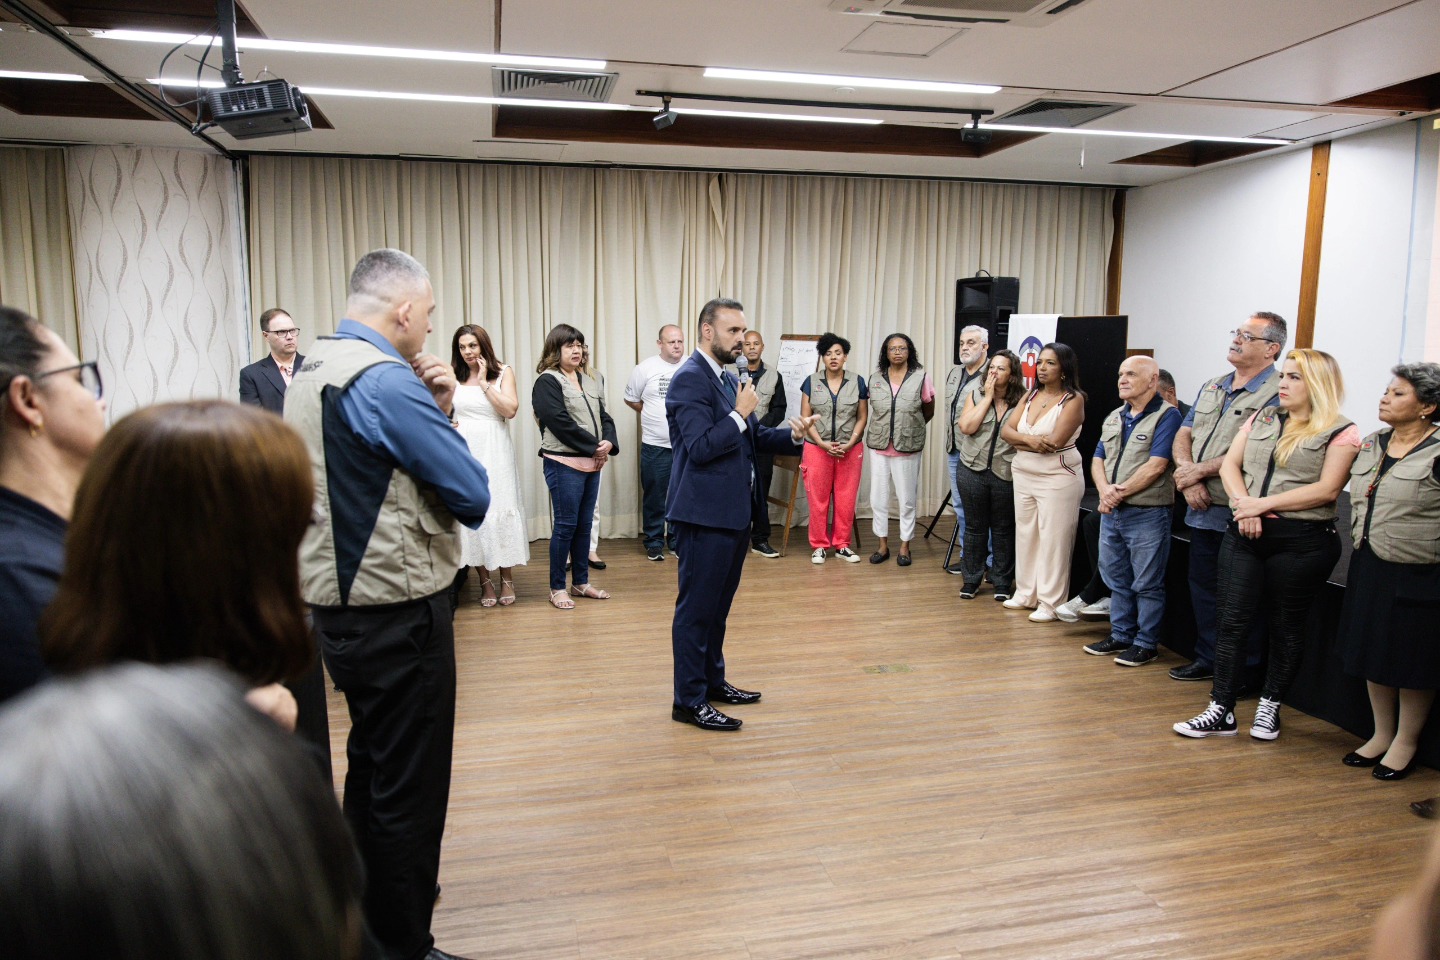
(1249, 337)
(89, 377)
(289, 334)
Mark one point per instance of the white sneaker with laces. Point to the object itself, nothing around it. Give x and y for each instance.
(818, 556)
(1099, 610)
(848, 555)
(1069, 611)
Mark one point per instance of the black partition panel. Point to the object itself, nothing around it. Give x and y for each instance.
(1100, 344)
(985, 302)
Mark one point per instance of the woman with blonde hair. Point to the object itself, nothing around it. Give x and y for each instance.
(1283, 473)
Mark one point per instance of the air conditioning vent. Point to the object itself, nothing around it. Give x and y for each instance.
(1058, 113)
(553, 84)
(1022, 13)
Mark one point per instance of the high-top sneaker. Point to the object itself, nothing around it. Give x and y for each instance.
(1215, 721)
(1267, 720)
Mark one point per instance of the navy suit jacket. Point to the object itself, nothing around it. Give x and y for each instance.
(262, 386)
(712, 460)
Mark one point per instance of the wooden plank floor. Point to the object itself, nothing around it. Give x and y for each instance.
(925, 778)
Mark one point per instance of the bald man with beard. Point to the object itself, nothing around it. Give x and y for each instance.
(1134, 475)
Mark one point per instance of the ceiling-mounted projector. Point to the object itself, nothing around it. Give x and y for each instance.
(264, 109)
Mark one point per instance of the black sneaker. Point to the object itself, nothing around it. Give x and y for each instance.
(654, 553)
(1106, 647)
(1267, 720)
(1193, 671)
(1215, 721)
(764, 549)
(1002, 594)
(955, 569)
(968, 591)
(1137, 656)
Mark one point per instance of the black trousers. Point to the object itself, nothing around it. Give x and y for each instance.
(1096, 589)
(989, 505)
(312, 721)
(711, 560)
(759, 502)
(396, 666)
(1277, 575)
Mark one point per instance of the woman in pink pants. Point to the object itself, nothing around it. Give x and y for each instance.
(832, 458)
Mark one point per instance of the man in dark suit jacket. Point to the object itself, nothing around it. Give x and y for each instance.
(263, 383)
(714, 436)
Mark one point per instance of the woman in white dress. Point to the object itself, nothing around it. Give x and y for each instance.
(485, 401)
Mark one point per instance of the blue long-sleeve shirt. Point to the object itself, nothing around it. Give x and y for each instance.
(392, 410)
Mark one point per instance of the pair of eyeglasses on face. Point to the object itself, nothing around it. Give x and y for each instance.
(289, 334)
(1248, 337)
(89, 377)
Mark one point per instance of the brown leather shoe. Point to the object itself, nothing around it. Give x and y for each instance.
(1424, 808)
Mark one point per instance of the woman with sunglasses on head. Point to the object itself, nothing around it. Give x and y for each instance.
(1390, 625)
(51, 419)
(1283, 473)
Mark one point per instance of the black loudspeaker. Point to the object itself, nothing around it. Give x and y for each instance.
(1099, 345)
(986, 302)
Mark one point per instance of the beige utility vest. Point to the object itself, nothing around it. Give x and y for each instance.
(984, 450)
(896, 416)
(959, 384)
(1263, 476)
(767, 387)
(1212, 432)
(835, 415)
(413, 549)
(583, 404)
(1397, 511)
(1123, 459)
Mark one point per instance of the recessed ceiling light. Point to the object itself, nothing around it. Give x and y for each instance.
(933, 86)
(1086, 132)
(808, 118)
(33, 75)
(355, 50)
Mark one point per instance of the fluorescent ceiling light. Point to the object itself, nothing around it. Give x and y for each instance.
(775, 116)
(32, 75)
(1087, 132)
(933, 86)
(354, 50)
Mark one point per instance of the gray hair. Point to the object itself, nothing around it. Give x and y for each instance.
(385, 274)
(1275, 329)
(976, 328)
(1425, 378)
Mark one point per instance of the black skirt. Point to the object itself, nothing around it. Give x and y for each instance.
(1390, 625)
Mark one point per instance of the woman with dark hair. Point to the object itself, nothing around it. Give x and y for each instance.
(51, 418)
(185, 543)
(1390, 626)
(485, 401)
(147, 813)
(1283, 473)
(895, 434)
(1048, 481)
(577, 438)
(987, 490)
(830, 462)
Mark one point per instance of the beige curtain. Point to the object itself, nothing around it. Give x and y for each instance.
(36, 273)
(618, 253)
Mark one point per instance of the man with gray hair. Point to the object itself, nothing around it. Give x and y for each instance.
(964, 378)
(391, 478)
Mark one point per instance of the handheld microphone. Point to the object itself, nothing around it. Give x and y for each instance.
(742, 369)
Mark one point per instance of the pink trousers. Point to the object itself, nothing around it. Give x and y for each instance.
(831, 480)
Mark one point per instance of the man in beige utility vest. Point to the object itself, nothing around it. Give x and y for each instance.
(964, 378)
(770, 412)
(1133, 470)
(1221, 407)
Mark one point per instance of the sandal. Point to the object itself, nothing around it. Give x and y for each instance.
(589, 592)
(487, 595)
(559, 601)
(507, 598)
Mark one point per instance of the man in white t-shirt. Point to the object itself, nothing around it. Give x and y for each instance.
(645, 392)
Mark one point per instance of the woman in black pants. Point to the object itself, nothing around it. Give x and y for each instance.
(983, 476)
(1283, 474)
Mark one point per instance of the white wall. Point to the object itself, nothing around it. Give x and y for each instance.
(1204, 252)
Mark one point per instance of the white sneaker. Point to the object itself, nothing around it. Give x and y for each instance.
(848, 555)
(1015, 603)
(1069, 611)
(1043, 615)
(1099, 610)
(818, 556)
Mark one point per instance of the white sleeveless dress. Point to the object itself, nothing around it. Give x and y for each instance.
(502, 540)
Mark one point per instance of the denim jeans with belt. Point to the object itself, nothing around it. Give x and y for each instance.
(1134, 549)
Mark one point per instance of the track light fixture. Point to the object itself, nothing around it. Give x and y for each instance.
(666, 117)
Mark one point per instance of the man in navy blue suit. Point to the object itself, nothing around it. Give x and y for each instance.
(714, 436)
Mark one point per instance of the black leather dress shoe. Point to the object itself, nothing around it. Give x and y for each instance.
(1424, 808)
(1382, 772)
(730, 694)
(1193, 671)
(1353, 759)
(704, 716)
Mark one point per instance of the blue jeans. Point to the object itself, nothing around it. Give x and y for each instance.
(572, 496)
(654, 485)
(1134, 549)
(953, 460)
